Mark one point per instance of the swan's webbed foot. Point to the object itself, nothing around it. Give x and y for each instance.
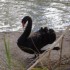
(35, 56)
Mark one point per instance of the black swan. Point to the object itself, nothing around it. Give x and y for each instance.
(33, 43)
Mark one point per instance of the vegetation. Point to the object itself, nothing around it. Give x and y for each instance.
(7, 50)
(11, 63)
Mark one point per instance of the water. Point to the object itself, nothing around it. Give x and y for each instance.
(51, 13)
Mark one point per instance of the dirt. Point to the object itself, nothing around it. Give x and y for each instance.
(20, 58)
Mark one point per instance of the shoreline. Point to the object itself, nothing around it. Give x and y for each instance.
(21, 56)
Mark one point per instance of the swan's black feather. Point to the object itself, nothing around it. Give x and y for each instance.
(33, 43)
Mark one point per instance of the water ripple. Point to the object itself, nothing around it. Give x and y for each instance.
(54, 15)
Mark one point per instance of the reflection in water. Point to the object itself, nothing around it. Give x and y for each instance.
(55, 15)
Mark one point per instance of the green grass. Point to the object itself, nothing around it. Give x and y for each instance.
(11, 63)
(7, 51)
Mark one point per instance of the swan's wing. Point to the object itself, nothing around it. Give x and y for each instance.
(35, 34)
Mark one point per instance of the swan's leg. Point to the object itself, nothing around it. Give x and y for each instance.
(36, 55)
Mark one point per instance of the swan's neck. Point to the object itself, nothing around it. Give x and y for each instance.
(27, 31)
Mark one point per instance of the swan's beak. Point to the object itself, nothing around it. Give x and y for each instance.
(23, 24)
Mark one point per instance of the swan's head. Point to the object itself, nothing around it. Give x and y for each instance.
(25, 19)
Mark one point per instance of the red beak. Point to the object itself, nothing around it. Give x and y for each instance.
(23, 24)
